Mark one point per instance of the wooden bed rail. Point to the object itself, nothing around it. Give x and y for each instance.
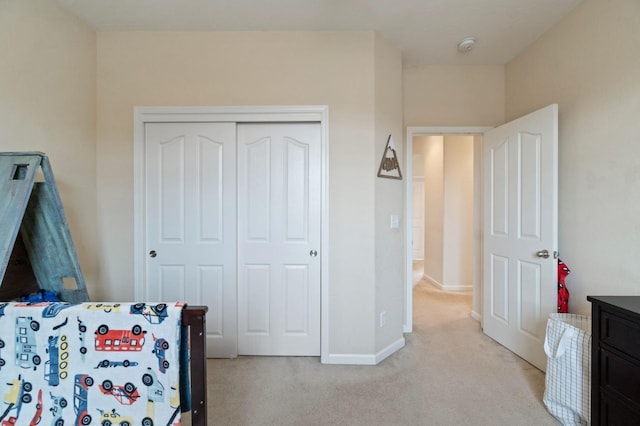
(194, 317)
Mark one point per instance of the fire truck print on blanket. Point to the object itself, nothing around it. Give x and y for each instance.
(89, 364)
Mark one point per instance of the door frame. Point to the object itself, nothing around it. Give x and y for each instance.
(415, 181)
(237, 114)
(408, 191)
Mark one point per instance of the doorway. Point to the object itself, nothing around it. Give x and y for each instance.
(222, 317)
(517, 163)
(413, 133)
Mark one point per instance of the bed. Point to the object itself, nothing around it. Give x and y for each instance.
(102, 363)
(80, 361)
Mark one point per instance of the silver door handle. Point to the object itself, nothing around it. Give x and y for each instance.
(313, 253)
(543, 253)
(153, 253)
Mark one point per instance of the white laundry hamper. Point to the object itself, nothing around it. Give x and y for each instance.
(567, 344)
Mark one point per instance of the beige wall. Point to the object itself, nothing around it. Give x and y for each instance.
(256, 68)
(589, 65)
(457, 245)
(47, 103)
(432, 148)
(444, 95)
(389, 196)
(449, 182)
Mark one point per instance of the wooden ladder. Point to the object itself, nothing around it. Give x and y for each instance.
(35, 243)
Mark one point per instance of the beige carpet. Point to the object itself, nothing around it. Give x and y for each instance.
(449, 373)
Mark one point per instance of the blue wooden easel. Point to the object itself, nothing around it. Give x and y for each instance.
(32, 222)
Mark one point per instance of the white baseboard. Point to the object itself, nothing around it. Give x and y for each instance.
(447, 287)
(457, 288)
(365, 359)
(475, 316)
(350, 359)
(390, 350)
(432, 281)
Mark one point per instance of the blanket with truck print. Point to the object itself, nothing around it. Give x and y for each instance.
(89, 363)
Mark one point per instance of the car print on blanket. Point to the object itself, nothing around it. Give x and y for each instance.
(58, 403)
(119, 340)
(26, 347)
(159, 347)
(16, 395)
(89, 363)
(125, 395)
(55, 368)
(155, 314)
(105, 363)
(109, 418)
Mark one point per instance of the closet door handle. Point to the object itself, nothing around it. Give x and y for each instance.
(313, 253)
(153, 253)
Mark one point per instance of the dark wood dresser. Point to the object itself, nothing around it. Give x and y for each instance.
(615, 369)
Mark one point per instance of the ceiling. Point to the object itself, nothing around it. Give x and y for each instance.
(427, 31)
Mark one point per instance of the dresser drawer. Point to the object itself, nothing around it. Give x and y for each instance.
(620, 334)
(615, 357)
(619, 374)
(616, 412)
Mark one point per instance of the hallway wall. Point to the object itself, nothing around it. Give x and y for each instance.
(449, 209)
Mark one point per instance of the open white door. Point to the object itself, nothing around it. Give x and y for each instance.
(520, 232)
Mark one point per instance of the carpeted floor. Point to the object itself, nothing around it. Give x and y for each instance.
(449, 373)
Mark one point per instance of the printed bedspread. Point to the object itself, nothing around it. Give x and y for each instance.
(90, 363)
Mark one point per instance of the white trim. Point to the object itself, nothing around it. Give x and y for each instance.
(457, 288)
(416, 180)
(443, 287)
(365, 359)
(139, 207)
(324, 237)
(389, 350)
(408, 186)
(407, 326)
(476, 316)
(239, 114)
(350, 359)
(430, 280)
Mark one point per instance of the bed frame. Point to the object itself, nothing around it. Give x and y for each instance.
(194, 319)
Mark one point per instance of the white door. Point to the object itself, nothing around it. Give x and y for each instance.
(520, 224)
(190, 218)
(279, 239)
(418, 218)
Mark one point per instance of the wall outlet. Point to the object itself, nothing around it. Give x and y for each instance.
(383, 318)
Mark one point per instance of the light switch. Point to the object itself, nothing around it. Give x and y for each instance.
(395, 221)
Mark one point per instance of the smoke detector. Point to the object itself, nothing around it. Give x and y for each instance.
(467, 44)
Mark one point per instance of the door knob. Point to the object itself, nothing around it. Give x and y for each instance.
(543, 253)
(313, 253)
(153, 253)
